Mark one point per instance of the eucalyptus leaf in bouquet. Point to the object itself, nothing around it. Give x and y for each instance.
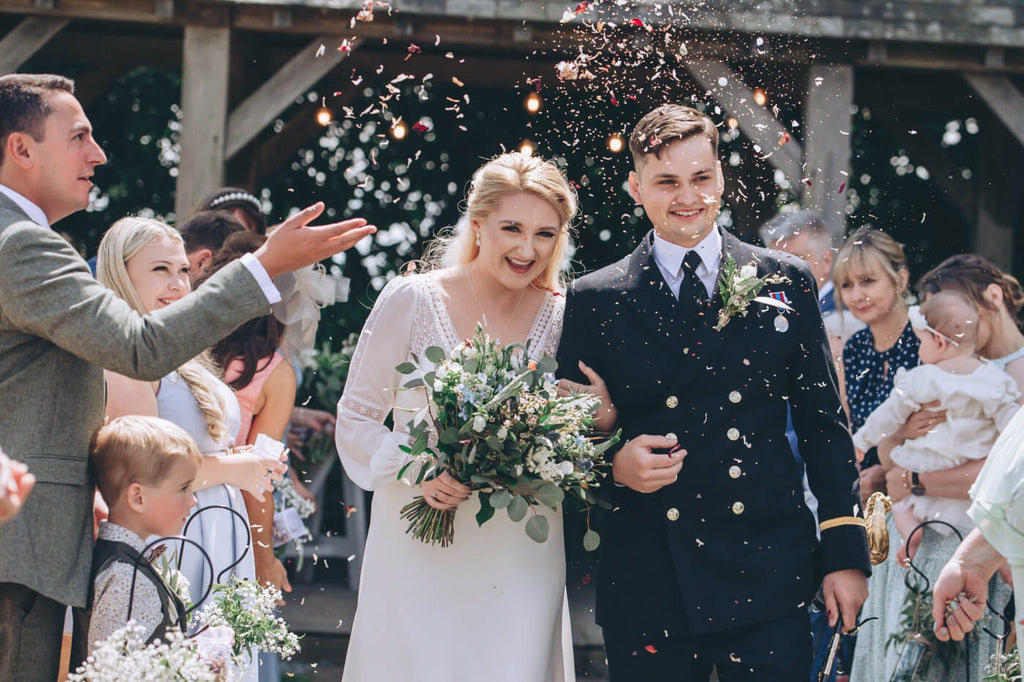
(496, 423)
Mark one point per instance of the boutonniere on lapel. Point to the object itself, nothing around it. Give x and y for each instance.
(738, 286)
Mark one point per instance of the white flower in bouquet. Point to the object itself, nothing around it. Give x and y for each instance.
(249, 610)
(124, 655)
(748, 271)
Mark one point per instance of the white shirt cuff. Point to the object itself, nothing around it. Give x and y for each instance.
(262, 278)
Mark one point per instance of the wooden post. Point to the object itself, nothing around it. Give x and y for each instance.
(204, 106)
(25, 39)
(827, 125)
(999, 199)
(758, 124)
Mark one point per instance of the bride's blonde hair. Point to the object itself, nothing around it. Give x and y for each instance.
(505, 174)
(121, 243)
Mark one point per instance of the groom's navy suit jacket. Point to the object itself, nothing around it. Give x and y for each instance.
(730, 543)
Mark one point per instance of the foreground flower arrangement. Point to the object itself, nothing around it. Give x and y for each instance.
(502, 429)
(124, 655)
(239, 618)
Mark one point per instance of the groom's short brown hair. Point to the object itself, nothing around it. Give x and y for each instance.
(25, 103)
(668, 123)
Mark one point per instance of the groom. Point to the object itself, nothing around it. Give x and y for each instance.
(710, 557)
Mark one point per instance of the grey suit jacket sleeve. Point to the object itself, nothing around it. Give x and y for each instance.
(47, 290)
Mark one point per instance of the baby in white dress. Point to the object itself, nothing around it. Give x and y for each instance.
(979, 400)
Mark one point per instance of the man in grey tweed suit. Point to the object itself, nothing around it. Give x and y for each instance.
(59, 329)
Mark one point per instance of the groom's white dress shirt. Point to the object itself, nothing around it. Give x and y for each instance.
(669, 258)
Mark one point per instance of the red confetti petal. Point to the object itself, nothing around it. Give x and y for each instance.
(582, 7)
(650, 649)
(636, 22)
(615, 102)
(807, 181)
(784, 138)
(842, 187)
(586, 579)
(419, 128)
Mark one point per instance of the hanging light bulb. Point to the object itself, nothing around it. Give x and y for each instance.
(526, 148)
(615, 143)
(324, 116)
(760, 96)
(399, 130)
(533, 102)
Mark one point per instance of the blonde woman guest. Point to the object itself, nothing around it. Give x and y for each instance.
(415, 600)
(144, 262)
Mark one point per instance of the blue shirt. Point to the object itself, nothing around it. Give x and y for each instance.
(868, 378)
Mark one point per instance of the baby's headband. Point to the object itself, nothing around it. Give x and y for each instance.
(920, 322)
(237, 196)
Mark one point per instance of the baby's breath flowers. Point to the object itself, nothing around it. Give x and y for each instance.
(124, 655)
(249, 610)
(502, 429)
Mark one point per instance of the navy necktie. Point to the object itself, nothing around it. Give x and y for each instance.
(691, 286)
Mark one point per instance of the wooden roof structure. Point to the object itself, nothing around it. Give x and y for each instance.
(244, 62)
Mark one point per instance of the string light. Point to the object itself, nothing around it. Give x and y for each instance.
(732, 123)
(760, 96)
(533, 102)
(324, 116)
(615, 143)
(526, 148)
(399, 130)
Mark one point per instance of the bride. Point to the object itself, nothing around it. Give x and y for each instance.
(491, 606)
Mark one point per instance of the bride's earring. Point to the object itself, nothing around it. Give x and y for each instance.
(478, 240)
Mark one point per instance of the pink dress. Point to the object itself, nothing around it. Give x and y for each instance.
(248, 395)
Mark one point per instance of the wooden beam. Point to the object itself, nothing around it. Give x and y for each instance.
(25, 39)
(756, 122)
(293, 79)
(1003, 97)
(204, 105)
(999, 197)
(827, 127)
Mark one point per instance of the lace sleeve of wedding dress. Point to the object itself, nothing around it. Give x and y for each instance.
(369, 451)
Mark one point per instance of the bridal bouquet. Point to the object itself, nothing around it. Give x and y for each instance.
(502, 429)
(124, 655)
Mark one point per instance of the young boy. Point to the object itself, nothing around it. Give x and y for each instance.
(145, 467)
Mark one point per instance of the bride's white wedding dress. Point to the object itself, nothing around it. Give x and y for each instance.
(492, 605)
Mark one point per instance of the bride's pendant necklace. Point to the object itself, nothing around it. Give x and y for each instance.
(484, 314)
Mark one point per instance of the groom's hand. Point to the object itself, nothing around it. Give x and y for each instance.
(295, 243)
(637, 466)
(844, 592)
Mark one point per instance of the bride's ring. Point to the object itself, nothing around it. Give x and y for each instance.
(437, 494)
(953, 606)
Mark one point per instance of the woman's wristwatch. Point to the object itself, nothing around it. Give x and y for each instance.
(916, 487)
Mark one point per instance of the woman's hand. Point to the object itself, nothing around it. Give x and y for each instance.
(920, 423)
(254, 474)
(444, 492)
(895, 483)
(872, 480)
(606, 415)
(270, 571)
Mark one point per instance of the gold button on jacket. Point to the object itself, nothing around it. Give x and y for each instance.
(737, 508)
(733, 433)
(671, 402)
(735, 471)
(672, 514)
(735, 397)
